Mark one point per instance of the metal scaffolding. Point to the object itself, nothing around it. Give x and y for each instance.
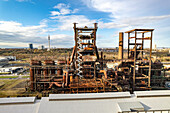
(137, 49)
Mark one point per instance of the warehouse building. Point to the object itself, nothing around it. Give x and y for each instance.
(3, 61)
(10, 70)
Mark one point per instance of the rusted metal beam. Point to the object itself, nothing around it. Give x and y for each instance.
(128, 44)
(143, 35)
(134, 69)
(139, 30)
(150, 62)
(120, 55)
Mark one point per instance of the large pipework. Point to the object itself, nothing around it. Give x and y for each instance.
(33, 72)
(120, 55)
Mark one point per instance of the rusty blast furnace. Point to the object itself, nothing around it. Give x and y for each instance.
(85, 71)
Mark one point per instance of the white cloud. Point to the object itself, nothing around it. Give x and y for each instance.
(61, 5)
(13, 44)
(23, 0)
(135, 22)
(62, 40)
(53, 13)
(30, 1)
(15, 27)
(64, 9)
(128, 8)
(75, 10)
(66, 22)
(122, 14)
(130, 12)
(14, 34)
(11, 31)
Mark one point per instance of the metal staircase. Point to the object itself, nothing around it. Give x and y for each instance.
(85, 51)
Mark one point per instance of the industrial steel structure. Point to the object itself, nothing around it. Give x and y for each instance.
(86, 71)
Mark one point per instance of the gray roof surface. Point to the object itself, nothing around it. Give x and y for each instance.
(103, 105)
(71, 104)
(78, 106)
(152, 93)
(89, 96)
(155, 103)
(20, 108)
(128, 106)
(17, 100)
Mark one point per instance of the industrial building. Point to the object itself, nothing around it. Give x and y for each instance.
(41, 47)
(115, 102)
(10, 70)
(3, 61)
(87, 71)
(30, 46)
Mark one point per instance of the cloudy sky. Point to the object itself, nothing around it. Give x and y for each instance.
(30, 21)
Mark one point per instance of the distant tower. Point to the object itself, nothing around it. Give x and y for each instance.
(48, 42)
(41, 47)
(155, 47)
(30, 46)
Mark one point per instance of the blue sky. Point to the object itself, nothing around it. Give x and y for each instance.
(30, 21)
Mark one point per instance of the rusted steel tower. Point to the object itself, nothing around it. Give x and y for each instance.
(120, 54)
(136, 38)
(85, 72)
(85, 51)
(34, 71)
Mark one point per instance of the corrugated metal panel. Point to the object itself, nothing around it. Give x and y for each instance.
(86, 96)
(152, 93)
(17, 100)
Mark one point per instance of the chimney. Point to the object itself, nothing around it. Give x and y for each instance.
(120, 55)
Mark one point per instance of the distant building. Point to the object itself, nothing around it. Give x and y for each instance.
(3, 61)
(41, 47)
(11, 58)
(10, 70)
(155, 47)
(30, 46)
(110, 50)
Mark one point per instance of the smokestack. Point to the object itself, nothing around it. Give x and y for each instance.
(120, 55)
(48, 42)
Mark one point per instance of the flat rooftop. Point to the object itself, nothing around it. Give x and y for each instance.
(114, 102)
(89, 96)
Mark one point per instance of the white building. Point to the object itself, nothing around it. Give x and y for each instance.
(3, 61)
(10, 70)
(11, 58)
(41, 47)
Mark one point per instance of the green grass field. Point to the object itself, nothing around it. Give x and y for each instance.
(8, 76)
(25, 76)
(14, 88)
